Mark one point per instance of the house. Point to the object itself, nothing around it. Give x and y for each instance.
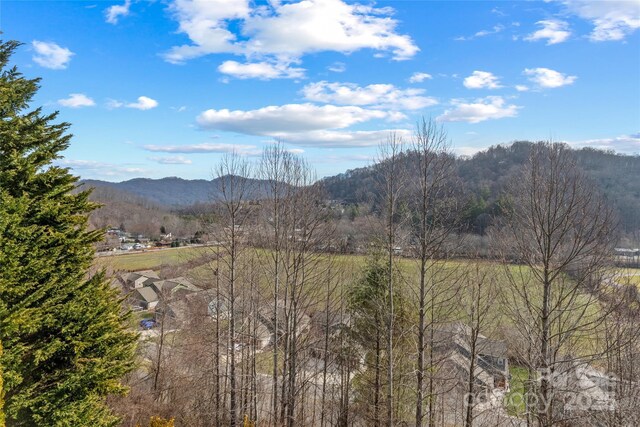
(453, 342)
(217, 308)
(146, 298)
(259, 325)
(625, 252)
(262, 336)
(171, 288)
(266, 315)
(335, 322)
(139, 279)
(326, 342)
(250, 328)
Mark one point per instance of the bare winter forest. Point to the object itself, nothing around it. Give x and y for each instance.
(277, 326)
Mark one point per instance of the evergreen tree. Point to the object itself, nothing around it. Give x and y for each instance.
(2, 424)
(64, 334)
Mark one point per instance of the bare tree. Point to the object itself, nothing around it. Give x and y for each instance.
(295, 229)
(392, 181)
(478, 315)
(274, 169)
(559, 233)
(233, 211)
(622, 338)
(436, 217)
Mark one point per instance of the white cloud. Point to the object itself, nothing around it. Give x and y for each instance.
(496, 29)
(300, 124)
(547, 78)
(113, 13)
(553, 30)
(285, 31)
(343, 139)
(489, 108)
(204, 148)
(278, 121)
(419, 77)
(51, 55)
(326, 25)
(261, 70)
(627, 144)
(143, 103)
(522, 88)
(100, 168)
(205, 23)
(114, 103)
(483, 33)
(482, 79)
(337, 67)
(466, 151)
(612, 19)
(172, 160)
(377, 95)
(77, 100)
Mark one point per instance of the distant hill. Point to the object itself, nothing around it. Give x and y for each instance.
(485, 176)
(175, 192)
(168, 192)
(137, 214)
(487, 173)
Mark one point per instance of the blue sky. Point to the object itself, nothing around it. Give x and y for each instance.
(164, 88)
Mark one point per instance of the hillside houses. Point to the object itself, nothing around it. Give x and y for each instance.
(139, 278)
(492, 366)
(146, 289)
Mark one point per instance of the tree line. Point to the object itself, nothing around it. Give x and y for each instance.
(487, 174)
(353, 343)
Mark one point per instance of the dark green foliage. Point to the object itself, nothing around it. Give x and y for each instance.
(485, 177)
(2, 422)
(367, 297)
(63, 331)
(368, 303)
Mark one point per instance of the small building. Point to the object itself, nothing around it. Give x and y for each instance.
(218, 309)
(173, 288)
(266, 315)
(453, 342)
(139, 279)
(146, 297)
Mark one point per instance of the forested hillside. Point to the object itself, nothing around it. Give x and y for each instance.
(484, 178)
(137, 214)
(171, 191)
(486, 174)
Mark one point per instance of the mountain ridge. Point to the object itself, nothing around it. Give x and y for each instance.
(485, 175)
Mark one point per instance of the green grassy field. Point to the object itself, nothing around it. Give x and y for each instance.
(514, 399)
(199, 264)
(627, 276)
(151, 259)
